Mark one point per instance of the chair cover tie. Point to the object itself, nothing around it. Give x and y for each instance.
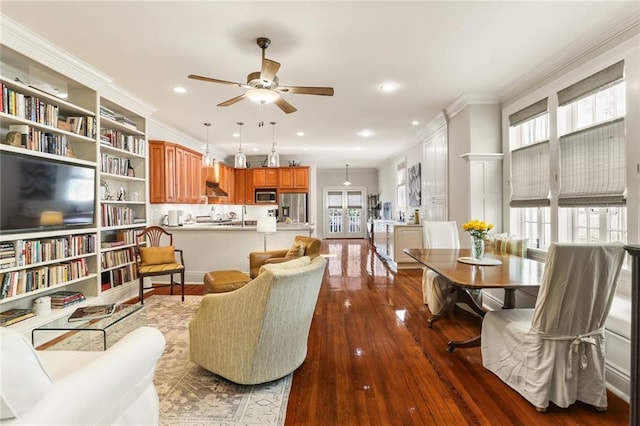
(577, 342)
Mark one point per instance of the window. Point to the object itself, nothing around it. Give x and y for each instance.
(592, 225)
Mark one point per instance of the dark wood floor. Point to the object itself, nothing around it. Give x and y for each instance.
(373, 361)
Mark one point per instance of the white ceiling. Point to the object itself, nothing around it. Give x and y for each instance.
(435, 51)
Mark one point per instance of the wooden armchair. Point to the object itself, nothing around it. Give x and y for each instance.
(154, 259)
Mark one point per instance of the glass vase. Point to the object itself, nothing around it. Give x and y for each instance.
(477, 248)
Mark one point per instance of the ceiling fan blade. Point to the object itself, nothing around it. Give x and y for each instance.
(269, 70)
(323, 91)
(215, 80)
(232, 101)
(284, 105)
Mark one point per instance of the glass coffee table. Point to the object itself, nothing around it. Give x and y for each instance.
(100, 325)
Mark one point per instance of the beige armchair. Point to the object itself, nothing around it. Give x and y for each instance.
(302, 246)
(258, 333)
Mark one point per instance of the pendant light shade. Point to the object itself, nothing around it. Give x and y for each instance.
(273, 159)
(240, 159)
(207, 158)
(347, 182)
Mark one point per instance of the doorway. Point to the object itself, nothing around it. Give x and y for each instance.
(344, 213)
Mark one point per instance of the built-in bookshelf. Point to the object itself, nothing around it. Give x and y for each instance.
(48, 116)
(123, 176)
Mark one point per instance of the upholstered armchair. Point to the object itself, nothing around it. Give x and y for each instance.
(302, 246)
(555, 352)
(258, 333)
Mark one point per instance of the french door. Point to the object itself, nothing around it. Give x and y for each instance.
(344, 213)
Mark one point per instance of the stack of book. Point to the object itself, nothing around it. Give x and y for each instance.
(62, 299)
(7, 255)
(13, 316)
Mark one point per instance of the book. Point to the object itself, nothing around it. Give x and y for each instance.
(13, 316)
(92, 312)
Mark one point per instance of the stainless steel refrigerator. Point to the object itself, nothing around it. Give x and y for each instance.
(293, 206)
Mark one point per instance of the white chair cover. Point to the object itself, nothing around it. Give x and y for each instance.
(555, 352)
(437, 235)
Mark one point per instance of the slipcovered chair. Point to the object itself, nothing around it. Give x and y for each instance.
(437, 235)
(555, 351)
(156, 256)
(258, 333)
(302, 246)
(112, 387)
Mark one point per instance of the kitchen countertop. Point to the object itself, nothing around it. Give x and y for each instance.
(226, 227)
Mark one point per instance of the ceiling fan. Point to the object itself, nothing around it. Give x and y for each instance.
(264, 86)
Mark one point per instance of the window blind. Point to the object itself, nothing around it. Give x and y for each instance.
(593, 166)
(529, 112)
(530, 175)
(598, 81)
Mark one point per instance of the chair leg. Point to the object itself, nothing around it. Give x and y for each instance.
(141, 293)
(541, 409)
(600, 409)
(182, 283)
(171, 284)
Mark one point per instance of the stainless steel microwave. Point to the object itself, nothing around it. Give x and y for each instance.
(266, 196)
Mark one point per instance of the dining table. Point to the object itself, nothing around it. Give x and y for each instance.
(468, 277)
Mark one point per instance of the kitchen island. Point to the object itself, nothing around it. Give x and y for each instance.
(208, 247)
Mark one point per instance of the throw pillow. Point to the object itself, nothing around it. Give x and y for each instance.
(515, 247)
(23, 379)
(157, 255)
(291, 264)
(296, 250)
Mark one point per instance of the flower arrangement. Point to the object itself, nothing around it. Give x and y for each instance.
(477, 228)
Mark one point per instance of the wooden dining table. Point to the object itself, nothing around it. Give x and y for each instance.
(467, 279)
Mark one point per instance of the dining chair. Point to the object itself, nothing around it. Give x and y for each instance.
(555, 352)
(437, 235)
(156, 256)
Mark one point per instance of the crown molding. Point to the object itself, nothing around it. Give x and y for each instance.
(469, 99)
(127, 100)
(28, 43)
(621, 35)
(159, 130)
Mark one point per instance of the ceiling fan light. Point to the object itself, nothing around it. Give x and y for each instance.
(262, 96)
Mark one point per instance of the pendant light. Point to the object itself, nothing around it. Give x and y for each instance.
(346, 182)
(241, 159)
(273, 159)
(207, 158)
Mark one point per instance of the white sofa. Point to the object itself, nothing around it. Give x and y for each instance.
(80, 388)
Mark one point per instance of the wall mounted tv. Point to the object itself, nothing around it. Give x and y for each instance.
(38, 194)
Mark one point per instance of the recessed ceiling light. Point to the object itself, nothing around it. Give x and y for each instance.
(300, 133)
(415, 122)
(236, 135)
(366, 133)
(179, 89)
(255, 149)
(306, 148)
(389, 86)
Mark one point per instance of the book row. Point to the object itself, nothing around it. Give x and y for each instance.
(28, 252)
(117, 257)
(37, 140)
(118, 277)
(117, 139)
(116, 216)
(27, 280)
(115, 165)
(28, 107)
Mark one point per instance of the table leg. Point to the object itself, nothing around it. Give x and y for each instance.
(447, 308)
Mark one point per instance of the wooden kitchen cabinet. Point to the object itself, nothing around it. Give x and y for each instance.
(238, 186)
(293, 179)
(265, 177)
(172, 177)
(224, 176)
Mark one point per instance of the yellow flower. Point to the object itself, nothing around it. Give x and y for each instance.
(477, 228)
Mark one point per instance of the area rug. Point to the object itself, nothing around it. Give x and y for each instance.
(189, 394)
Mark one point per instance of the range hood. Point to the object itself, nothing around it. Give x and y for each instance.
(213, 190)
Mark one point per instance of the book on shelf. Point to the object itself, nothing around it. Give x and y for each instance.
(109, 244)
(92, 312)
(13, 316)
(62, 299)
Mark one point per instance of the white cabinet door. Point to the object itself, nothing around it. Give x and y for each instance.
(435, 176)
(406, 237)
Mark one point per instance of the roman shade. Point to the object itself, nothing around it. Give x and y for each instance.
(529, 112)
(593, 166)
(596, 82)
(530, 175)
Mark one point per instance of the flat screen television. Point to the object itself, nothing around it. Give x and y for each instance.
(38, 194)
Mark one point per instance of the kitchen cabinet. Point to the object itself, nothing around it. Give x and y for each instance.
(293, 179)
(173, 179)
(224, 176)
(265, 177)
(239, 194)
